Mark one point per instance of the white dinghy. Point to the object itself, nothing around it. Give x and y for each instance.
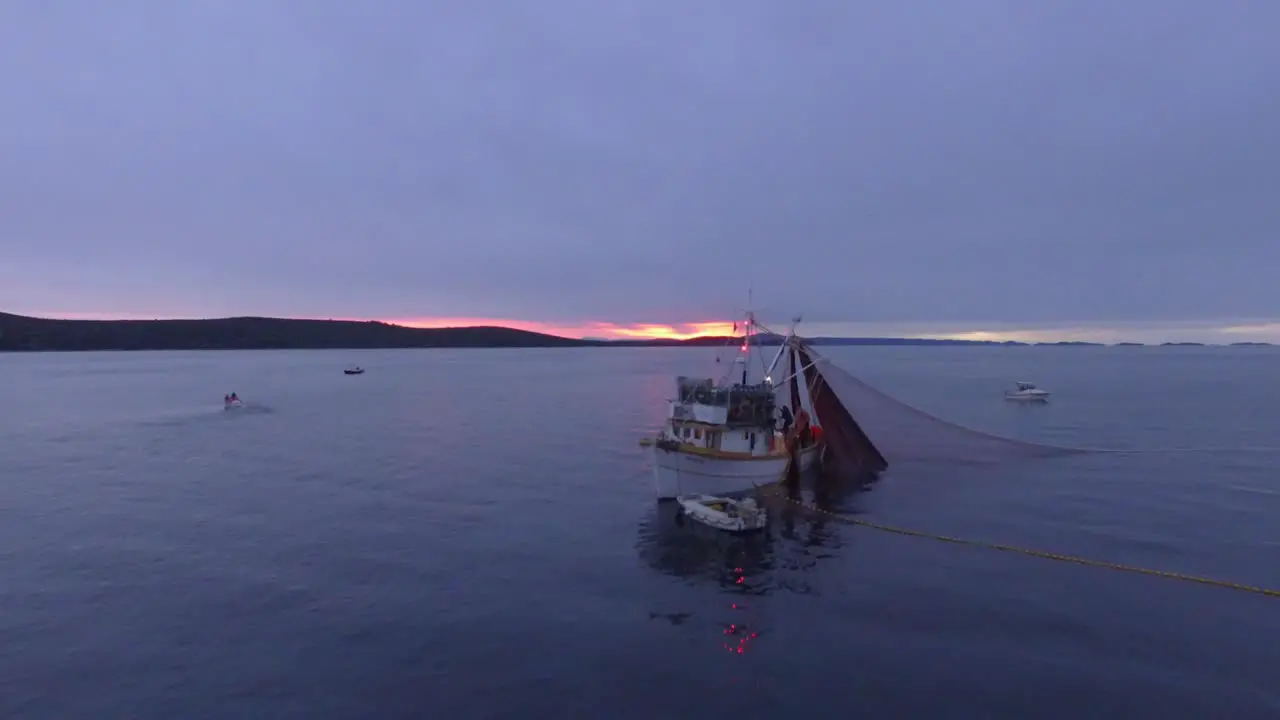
(724, 513)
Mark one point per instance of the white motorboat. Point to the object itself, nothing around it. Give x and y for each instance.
(724, 513)
(1027, 392)
(231, 402)
(353, 370)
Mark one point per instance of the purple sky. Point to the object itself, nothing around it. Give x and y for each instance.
(911, 166)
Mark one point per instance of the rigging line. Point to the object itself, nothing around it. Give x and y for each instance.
(819, 359)
(720, 353)
(764, 365)
(733, 340)
(1073, 559)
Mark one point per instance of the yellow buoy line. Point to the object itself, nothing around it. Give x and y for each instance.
(773, 490)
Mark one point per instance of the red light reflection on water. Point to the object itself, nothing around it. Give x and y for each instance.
(740, 638)
(738, 635)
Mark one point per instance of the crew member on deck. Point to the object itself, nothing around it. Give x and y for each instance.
(802, 427)
(784, 415)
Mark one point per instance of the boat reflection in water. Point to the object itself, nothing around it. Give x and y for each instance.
(781, 558)
(756, 563)
(680, 547)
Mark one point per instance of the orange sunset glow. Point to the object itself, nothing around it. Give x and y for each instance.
(613, 331)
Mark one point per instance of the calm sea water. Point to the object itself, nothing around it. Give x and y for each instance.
(470, 534)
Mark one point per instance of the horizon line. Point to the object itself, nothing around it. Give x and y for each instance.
(1154, 333)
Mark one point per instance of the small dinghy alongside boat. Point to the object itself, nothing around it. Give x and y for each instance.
(723, 513)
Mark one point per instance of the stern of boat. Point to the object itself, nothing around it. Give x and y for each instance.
(665, 463)
(676, 473)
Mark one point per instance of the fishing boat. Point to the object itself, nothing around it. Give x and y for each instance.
(1027, 392)
(724, 513)
(353, 370)
(731, 436)
(231, 402)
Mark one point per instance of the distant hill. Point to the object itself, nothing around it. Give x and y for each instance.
(21, 333)
(1072, 343)
(909, 341)
(769, 339)
(252, 333)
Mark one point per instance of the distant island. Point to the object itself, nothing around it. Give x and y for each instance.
(20, 333)
(1073, 343)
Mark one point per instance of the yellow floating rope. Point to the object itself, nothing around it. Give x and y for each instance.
(1029, 552)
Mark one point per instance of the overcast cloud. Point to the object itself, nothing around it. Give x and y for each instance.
(961, 164)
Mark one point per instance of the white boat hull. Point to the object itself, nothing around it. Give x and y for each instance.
(724, 513)
(233, 405)
(1028, 397)
(678, 473)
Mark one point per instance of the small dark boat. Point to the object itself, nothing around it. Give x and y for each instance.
(353, 370)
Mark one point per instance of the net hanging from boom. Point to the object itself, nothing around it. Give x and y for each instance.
(866, 429)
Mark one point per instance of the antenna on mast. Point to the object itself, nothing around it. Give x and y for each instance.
(746, 338)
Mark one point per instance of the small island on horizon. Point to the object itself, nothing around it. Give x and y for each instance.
(19, 333)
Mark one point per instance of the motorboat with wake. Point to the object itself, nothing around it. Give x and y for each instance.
(1027, 392)
(353, 370)
(231, 402)
(724, 513)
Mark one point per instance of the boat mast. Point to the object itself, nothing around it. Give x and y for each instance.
(786, 343)
(746, 340)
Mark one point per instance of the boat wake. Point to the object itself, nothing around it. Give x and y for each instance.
(248, 409)
(199, 414)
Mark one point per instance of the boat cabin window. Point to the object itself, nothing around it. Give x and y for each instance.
(747, 404)
(751, 405)
(697, 390)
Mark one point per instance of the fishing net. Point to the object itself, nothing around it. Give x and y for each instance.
(846, 440)
(868, 429)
